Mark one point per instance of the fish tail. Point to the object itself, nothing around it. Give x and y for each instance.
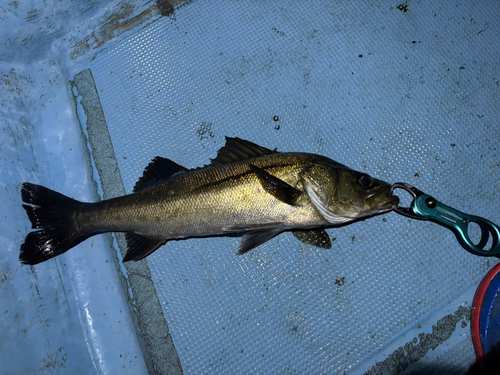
(54, 214)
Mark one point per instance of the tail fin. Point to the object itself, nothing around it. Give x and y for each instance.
(55, 215)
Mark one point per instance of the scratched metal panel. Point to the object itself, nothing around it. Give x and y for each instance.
(406, 93)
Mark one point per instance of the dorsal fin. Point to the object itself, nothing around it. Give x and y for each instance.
(158, 171)
(237, 149)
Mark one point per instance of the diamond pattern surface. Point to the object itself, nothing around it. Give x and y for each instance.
(404, 95)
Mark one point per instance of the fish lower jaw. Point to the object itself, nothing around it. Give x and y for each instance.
(379, 211)
(388, 209)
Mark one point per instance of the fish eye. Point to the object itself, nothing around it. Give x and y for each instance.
(366, 181)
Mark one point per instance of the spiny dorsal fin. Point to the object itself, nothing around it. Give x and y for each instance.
(237, 149)
(276, 187)
(159, 170)
(315, 237)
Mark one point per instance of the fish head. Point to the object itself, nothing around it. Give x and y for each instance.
(341, 194)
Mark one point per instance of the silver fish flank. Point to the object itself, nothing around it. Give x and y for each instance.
(247, 190)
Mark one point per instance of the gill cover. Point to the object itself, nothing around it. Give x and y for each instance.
(320, 183)
(341, 194)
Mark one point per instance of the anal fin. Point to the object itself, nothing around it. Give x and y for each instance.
(254, 238)
(140, 246)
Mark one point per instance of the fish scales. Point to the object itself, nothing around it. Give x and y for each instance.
(246, 190)
(203, 202)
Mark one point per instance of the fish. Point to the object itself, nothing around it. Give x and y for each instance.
(247, 190)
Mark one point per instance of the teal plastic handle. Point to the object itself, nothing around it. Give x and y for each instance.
(458, 222)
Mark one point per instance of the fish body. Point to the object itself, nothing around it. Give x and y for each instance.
(246, 190)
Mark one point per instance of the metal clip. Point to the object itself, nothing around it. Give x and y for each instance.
(425, 207)
(414, 192)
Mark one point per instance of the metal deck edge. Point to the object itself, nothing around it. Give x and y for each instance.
(154, 337)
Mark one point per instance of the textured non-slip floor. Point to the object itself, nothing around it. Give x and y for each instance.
(404, 93)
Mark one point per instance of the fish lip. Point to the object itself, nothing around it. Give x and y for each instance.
(394, 199)
(390, 202)
(388, 209)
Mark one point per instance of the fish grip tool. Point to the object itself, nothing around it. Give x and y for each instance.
(426, 207)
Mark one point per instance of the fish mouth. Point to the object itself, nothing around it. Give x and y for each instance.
(383, 200)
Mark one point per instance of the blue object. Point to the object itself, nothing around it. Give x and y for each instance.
(485, 317)
(425, 207)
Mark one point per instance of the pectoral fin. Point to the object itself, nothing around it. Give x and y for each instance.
(255, 238)
(315, 237)
(276, 187)
(140, 246)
